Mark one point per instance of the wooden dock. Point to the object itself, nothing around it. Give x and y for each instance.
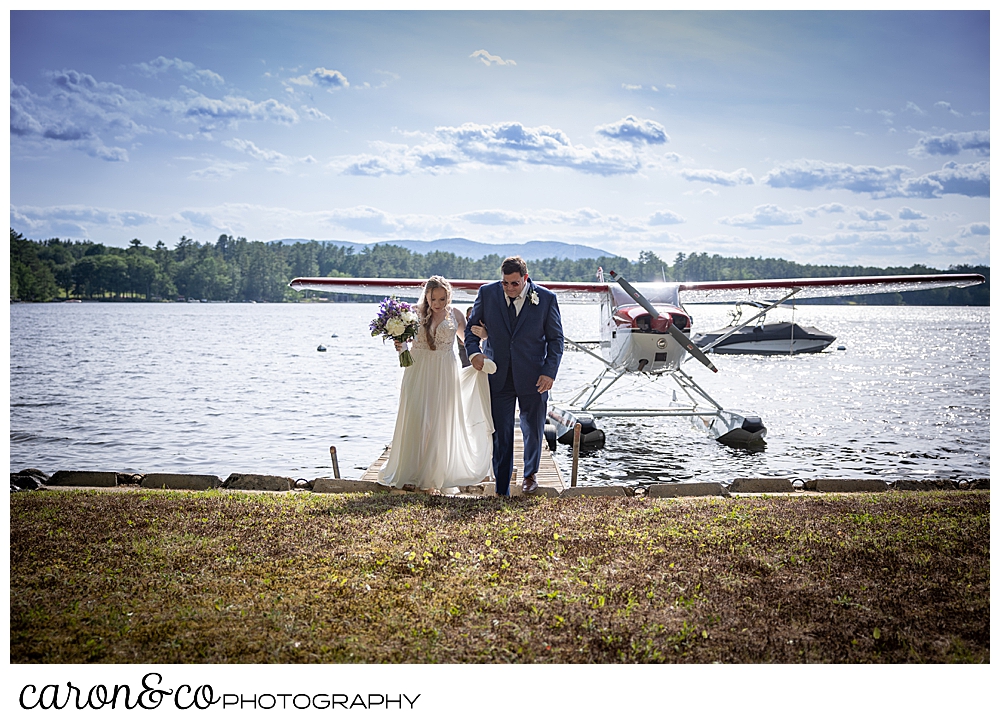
(548, 472)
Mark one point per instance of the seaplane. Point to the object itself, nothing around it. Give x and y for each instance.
(644, 329)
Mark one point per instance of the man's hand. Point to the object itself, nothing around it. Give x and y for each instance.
(544, 384)
(477, 361)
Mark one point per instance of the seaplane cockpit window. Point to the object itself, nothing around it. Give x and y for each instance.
(655, 293)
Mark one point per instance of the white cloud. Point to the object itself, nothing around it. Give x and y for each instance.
(914, 108)
(502, 145)
(488, 59)
(579, 217)
(947, 106)
(861, 245)
(971, 179)
(832, 208)
(762, 217)
(862, 226)
(722, 178)
(365, 219)
(314, 113)
(914, 227)
(715, 244)
(338, 223)
(879, 181)
(332, 80)
(30, 215)
(808, 174)
(952, 144)
(23, 112)
(634, 130)
(655, 89)
(329, 79)
(664, 217)
(186, 69)
(77, 112)
(200, 218)
(906, 213)
(876, 215)
(230, 111)
(251, 149)
(976, 230)
(75, 221)
(494, 217)
(217, 170)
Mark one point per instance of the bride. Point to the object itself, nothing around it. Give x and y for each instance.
(444, 430)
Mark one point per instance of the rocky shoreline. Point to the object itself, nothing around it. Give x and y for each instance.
(32, 479)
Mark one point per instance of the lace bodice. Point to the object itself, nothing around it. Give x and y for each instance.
(444, 335)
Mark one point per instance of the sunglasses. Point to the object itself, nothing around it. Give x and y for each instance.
(513, 285)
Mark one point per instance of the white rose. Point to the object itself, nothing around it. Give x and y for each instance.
(409, 317)
(395, 327)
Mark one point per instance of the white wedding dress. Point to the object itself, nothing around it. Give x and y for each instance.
(444, 429)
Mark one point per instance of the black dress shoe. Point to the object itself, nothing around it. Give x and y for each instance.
(530, 485)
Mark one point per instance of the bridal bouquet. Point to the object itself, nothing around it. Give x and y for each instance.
(396, 320)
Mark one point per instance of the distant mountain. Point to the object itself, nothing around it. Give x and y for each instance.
(532, 250)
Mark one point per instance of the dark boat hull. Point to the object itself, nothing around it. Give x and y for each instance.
(768, 339)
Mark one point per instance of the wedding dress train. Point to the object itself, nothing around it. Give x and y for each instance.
(444, 430)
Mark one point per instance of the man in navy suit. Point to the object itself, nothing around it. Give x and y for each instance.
(526, 343)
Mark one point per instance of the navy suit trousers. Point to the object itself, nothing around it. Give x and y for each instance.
(533, 411)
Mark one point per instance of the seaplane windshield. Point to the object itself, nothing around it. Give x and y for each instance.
(665, 294)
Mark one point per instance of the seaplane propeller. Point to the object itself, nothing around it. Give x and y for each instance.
(682, 339)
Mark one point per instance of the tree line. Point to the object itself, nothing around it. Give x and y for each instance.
(236, 270)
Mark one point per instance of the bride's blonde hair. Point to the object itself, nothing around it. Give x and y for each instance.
(424, 310)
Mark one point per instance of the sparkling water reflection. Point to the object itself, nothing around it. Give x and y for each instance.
(221, 388)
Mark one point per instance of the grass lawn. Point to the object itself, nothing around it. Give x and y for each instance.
(169, 577)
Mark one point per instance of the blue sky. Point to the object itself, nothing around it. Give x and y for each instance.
(832, 138)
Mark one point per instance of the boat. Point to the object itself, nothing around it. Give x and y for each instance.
(765, 339)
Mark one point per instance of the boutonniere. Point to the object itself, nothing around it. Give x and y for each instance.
(534, 298)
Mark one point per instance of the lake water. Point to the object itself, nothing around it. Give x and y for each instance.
(222, 388)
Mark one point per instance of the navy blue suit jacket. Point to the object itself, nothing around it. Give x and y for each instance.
(533, 346)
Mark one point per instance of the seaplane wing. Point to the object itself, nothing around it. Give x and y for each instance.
(463, 290)
(771, 289)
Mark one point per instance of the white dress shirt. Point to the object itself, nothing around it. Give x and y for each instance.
(519, 299)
